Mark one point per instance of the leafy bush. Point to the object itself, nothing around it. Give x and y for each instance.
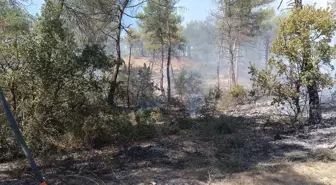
(57, 90)
(120, 129)
(220, 126)
(211, 101)
(238, 93)
(188, 83)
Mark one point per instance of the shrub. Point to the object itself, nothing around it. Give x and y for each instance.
(144, 128)
(219, 126)
(188, 83)
(211, 101)
(238, 93)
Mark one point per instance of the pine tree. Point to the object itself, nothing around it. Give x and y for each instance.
(239, 21)
(161, 24)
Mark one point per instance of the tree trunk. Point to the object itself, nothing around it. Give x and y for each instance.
(297, 103)
(314, 105)
(232, 69)
(218, 80)
(237, 61)
(168, 73)
(315, 115)
(298, 110)
(218, 66)
(267, 40)
(161, 69)
(128, 76)
(113, 84)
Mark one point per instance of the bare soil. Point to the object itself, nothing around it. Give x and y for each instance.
(251, 155)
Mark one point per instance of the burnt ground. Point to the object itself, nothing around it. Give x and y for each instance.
(244, 152)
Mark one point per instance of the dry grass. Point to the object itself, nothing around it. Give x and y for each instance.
(177, 63)
(216, 151)
(311, 173)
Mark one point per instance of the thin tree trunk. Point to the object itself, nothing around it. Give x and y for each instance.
(297, 102)
(161, 69)
(267, 52)
(168, 73)
(229, 77)
(218, 66)
(168, 57)
(113, 83)
(237, 61)
(314, 105)
(128, 76)
(232, 69)
(218, 80)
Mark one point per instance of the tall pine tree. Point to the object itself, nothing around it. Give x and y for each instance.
(162, 26)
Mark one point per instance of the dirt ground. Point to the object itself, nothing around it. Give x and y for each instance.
(250, 155)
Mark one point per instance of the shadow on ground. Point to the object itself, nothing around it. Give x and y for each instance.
(224, 150)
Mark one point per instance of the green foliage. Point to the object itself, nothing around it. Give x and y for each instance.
(120, 129)
(300, 49)
(238, 93)
(211, 101)
(200, 35)
(142, 87)
(161, 24)
(145, 120)
(212, 127)
(132, 37)
(242, 19)
(222, 125)
(188, 83)
(56, 90)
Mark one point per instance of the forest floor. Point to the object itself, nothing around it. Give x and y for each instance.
(199, 156)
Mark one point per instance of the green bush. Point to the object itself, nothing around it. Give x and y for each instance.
(145, 120)
(219, 126)
(57, 90)
(238, 93)
(211, 101)
(188, 83)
